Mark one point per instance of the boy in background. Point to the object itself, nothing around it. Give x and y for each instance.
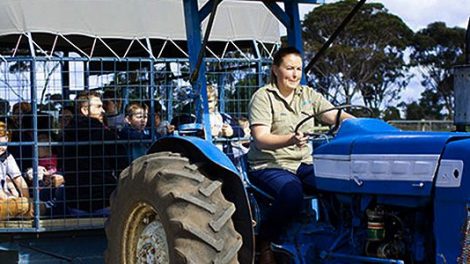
(112, 105)
(135, 130)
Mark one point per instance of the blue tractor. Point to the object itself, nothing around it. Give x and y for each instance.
(382, 195)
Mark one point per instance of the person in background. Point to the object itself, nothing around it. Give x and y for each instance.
(245, 125)
(51, 181)
(91, 168)
(135, 130)
(162, 127)
(48, 160)
(112, 104)
(4, 110)
(223, 125)
(280, 159)
(65, 116)
(13, 183)
(18, 111)
(14, 193)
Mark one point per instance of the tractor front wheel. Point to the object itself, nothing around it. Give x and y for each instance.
(166, 210)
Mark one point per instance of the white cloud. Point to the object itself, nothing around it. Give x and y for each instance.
(417, 14)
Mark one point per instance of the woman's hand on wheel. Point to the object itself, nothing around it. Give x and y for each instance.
(299, 139)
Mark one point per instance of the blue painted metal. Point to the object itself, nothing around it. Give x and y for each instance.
(220, 166)
(221, 92)
(294, 31)
(193, 34)
(206, 148)
(376, 138)
(290, 18)
(205, 10)
(373, 136)
(451, 207)
(306, 238)
(277, 11)
(35, 156)
(152, 103)
(312, 238)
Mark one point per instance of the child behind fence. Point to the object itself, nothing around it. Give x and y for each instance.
(14, 195)
(135, 130)
(224, 126)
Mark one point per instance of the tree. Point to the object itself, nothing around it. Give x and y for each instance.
(366, 60)
(436, 49)
(428, 107)
(391, 113)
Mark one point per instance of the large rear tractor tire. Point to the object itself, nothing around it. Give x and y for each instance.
(166, 210)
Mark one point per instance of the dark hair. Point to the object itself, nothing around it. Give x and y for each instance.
(4, 106)
(84, 97)
(279, 55)
(69, 108)
(109, 94)
(134, 106)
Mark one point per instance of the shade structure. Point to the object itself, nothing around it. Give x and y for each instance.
(124, 27)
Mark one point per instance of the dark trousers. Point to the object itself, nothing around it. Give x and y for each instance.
(287, 190)
(54, 201)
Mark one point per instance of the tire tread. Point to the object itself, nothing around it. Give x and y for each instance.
(182, 193)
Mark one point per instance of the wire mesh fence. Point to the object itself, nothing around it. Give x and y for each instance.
(71, 125)
(424, 125)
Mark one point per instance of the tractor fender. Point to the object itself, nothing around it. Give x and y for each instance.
(194, 147)
(219, 167)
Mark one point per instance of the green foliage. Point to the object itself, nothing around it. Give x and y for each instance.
(391, 113)
(436, 49)
(366, 60)
(428, 107)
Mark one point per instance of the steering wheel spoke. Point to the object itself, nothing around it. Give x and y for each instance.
(334, 128)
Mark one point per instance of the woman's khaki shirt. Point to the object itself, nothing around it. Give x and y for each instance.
(268, 108)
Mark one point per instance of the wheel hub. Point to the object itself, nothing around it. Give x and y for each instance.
(152, 246)
(146, 236)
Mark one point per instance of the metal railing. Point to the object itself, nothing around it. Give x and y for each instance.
(39, 109)
(424, 125)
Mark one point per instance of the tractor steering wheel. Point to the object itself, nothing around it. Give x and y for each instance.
(334, 128)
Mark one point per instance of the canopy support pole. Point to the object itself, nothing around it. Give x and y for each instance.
(192, 18)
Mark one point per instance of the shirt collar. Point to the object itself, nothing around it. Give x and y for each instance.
(4, 156)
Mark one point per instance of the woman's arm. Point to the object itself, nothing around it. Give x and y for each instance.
(330, 116)
(263, 138)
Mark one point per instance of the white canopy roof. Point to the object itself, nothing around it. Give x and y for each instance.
(131, 19)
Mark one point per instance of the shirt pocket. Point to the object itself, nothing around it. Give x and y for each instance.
(280, 123)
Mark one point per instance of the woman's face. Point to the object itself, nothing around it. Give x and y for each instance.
(289, 72)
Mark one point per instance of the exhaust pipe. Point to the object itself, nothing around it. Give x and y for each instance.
(462, 88)
(467, 44)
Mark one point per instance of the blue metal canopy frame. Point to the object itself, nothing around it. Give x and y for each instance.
(194, 16)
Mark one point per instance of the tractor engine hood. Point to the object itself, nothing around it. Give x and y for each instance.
(371, 156)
